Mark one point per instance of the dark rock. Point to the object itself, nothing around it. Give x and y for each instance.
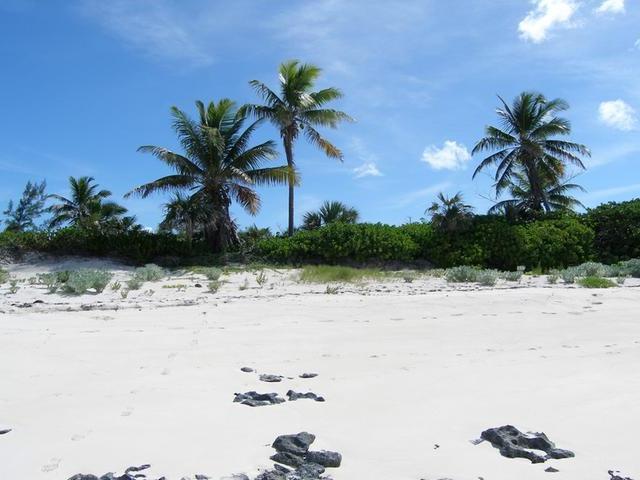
(246, 370)
(297, 444)
(288, 458)
(80, 476)
(255, 399)
(270, 378)
(308, 375)
(615, 475)
(5, 431)
(198, 285)
(293, 396)
(551, 470)
(281, 469)
(324, 458)
(137, 469)
(512, 443)
(272, 475)
(308, 471)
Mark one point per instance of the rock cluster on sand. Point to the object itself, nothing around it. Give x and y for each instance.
(293, 451)
(131, 473)
(293, 396)
(255, 399)
(512, 443)
(265, 377)
(615, 475)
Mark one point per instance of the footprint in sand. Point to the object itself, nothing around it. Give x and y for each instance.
(79, 436)
(127, 412)
(166, 371)
(172, 355)
(50, 467)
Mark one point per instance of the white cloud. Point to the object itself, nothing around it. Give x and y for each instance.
(547, 15)
(619, 115)
(611, 6)
(452, 156)
(367, 170)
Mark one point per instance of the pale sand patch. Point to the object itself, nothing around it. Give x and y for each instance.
(97, 391)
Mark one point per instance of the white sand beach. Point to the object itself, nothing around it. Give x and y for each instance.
(411, 373)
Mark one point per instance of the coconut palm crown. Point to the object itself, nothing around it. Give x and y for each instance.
(298, 110)
(330, 212)
(450, 213)
(218, 166)
(527, 144)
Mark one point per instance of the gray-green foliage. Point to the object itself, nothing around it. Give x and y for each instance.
(13, 286)
(212, 273)
(261, 278)
(631, 267)
(214, 286)
(487, 278)
(461, 274)
(512, 276)
(134, 283)
(4, 275)
(80, 281)
(50, 280)
(150, 273)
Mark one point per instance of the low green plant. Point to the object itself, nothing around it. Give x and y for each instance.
(80, 281)
(50, 281)
(409, 276)
(150, 273)
(596, 282)
(333, 273)
(213, 286)
(134, 283)
(211, 273)
(4, 276)
(436, 272)
(115, 286)
(553, 276)
(244, 285)
(13, 286)
(178, 286)
(569, 275)
(631, 267)
(332, 290)
(488, 278)
(261, 278)
(461, 274)
(621, 279)
(512, 276)
(124, 293)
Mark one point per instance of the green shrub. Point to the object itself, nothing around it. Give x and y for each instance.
(616, 229)
(13, 286)
(4, 276)
(340, 243)
(149, 273)
(80, 281)
(631, 267)
(50, 280)
(487, 277)
(512, 276)
(333, 273)
(134, 283)
(569, 275)
(461, 274)
(212, 273)
(214, 286)
(553, 277)
(596, 282)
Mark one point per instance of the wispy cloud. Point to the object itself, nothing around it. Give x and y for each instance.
(367, 170)
(619, 115)
(369, 167)
(413, 197)
(452, 156)
(611, 6)
(546, 16)
(154, 27)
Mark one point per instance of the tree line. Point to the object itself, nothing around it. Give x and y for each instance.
(219, 165)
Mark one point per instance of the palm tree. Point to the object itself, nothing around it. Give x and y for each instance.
(450, 214)
(298, 110)
(218, 166)
(330, 212)
(526, 144)
(523, 203)
(183, 214)
(85, 207)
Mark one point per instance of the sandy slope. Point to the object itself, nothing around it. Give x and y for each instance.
(95, 391)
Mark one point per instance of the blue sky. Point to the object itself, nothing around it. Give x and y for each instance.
(85, 82)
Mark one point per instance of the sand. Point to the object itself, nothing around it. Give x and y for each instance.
(403, 368)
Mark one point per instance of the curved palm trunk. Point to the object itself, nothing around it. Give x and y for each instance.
(288, 150)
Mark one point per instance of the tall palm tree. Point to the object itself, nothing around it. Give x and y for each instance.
(218, 166)
(450, 213)
(526, 144)
(298, 110)
(330, 212)
(523, 203)
(85, 207)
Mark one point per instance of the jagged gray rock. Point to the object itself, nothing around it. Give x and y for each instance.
(293, 396)
(308, 375)
(255, 399)
(298, 444)
(247, 369)
(324, 458)
(265, 377)
(288, 458)
(615, 475)
(5, 431)
(512, 443)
